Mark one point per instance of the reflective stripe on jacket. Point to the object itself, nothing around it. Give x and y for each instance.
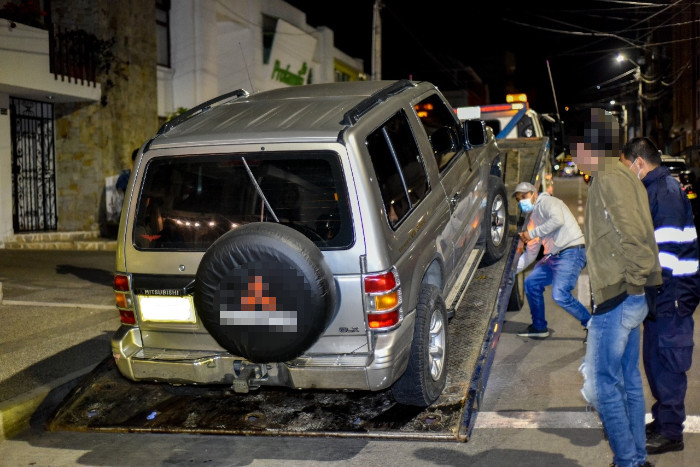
(677, 239)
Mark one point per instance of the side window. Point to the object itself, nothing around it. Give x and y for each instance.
(526, 128)
(398, 166)
(442, 128)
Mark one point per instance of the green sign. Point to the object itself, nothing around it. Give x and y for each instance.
(286, 76)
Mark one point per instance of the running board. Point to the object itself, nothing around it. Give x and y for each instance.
(465, 277)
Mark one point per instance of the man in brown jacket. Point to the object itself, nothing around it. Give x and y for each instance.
(622, 260)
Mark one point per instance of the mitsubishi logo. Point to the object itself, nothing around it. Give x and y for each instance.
(257, 294)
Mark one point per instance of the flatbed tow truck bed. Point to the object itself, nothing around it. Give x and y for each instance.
(106, 401)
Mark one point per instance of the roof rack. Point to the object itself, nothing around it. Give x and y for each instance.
(203, 107)
(353, 115)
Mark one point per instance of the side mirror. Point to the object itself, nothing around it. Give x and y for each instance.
(474, 132)
(444, 140)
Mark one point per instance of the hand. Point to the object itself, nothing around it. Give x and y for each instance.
(525, 236)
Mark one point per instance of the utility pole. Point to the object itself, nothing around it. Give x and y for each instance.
(641, 102)
(377, 41)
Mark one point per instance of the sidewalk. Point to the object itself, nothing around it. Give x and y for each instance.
(58, 317)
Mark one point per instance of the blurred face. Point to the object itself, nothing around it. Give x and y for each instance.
(585, 158)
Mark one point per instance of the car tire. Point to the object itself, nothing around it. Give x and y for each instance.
(426, 374)
(517, 293)
(494, 234)
(264, 292)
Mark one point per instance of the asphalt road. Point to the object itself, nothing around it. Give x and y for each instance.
(531, 413)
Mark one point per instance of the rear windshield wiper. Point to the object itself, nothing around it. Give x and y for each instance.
(259, 190)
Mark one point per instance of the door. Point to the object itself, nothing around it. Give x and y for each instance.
(458, 174)
(33, 166)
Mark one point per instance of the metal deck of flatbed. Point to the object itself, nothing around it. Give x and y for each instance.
(105, 401)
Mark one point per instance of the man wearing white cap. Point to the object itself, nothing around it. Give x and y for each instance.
(554, 227)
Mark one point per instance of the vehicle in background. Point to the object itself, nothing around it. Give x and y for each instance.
(675, 165)
(680, 171)
(516, 119)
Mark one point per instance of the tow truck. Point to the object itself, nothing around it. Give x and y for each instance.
(516, 119)
(104, 401)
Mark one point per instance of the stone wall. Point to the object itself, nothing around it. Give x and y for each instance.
(95, 141)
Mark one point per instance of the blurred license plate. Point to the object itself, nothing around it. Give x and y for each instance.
(170, 309)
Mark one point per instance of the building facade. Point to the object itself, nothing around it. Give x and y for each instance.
(84, 83)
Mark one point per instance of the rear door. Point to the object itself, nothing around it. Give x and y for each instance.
(458, 175)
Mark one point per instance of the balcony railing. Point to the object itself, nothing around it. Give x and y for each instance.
(75, 55)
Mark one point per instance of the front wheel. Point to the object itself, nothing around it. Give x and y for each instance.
(426, 374)
(494, 230)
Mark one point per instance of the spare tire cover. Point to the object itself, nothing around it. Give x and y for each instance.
(264, 292)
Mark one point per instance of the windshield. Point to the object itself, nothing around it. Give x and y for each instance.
(187, 202)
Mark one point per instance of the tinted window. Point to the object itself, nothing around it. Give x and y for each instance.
(398, 166)
(526, 129)
(187, 202)
(441, 125)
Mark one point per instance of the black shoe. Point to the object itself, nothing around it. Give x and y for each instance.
(533, 332)
(659, 444)
(650, 428)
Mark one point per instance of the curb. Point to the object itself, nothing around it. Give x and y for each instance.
(16, 413)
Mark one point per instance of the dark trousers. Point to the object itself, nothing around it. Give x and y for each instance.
(667, 353)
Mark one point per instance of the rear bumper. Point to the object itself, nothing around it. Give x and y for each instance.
(375, 371)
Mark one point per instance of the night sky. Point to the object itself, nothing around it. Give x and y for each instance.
(439, 41)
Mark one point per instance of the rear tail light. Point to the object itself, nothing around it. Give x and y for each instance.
(382, 294)
(123, 299)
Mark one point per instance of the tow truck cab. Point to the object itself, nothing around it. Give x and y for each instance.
(513, 119)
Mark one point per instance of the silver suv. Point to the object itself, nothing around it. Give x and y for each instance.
(315, 236)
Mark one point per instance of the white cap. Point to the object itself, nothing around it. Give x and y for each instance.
(524, 187)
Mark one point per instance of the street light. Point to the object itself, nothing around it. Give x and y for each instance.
(638, 77)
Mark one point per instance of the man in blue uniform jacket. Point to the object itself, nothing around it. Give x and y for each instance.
(668, 337)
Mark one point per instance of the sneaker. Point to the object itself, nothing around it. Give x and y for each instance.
(532, 332)
(650, 428)
(659, 444)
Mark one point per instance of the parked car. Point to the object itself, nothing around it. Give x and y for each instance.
(308, 237)
(680, 171)
(675, 165)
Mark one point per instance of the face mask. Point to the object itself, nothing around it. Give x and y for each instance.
(638, 171)
(526, 205)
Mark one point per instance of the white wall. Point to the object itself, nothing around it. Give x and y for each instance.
(216, 47)
(5, 170)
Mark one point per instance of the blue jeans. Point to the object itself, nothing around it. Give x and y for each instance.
(612, 382)
(561, 271)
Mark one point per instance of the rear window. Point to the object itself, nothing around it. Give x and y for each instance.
(187, 202)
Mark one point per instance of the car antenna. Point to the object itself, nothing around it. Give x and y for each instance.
(252, 88)
(554, 94)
